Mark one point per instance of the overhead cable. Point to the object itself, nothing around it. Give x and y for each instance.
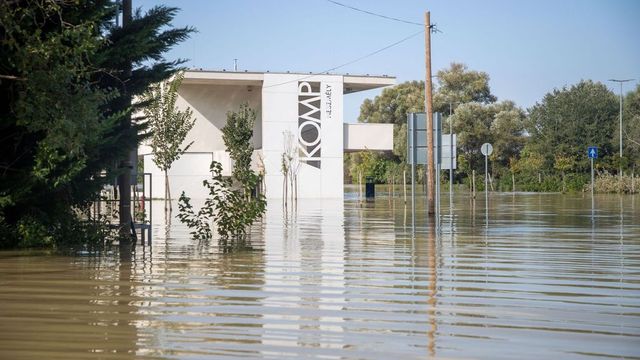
(375, 14)
(350, 62)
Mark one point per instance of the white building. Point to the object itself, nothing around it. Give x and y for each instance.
(309, 107)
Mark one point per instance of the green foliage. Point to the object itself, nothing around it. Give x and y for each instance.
(168, 125)
(237, 135)
(631, 129)
(459, 85)
(608, 183)
(230, 204)
(501, 124)
(566, 121)
(66, 88)
(369, 164)
(545, 150)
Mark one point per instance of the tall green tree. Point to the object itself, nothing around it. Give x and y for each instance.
(570, 119)
(237, 135)
(501, 124)
(168, 125)
(631, 129)
(458, 85)
(65, 89)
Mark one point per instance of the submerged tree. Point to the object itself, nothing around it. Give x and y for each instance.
(233, 204)
(168, 125)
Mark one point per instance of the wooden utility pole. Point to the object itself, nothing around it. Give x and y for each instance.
(124, 180)
(429, 111)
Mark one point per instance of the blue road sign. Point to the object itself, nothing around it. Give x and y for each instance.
(593, 152)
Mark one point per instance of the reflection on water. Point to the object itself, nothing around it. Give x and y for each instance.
(534, 276)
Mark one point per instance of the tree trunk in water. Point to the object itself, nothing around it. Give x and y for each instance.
(404, 185)
(295, 187)
(360, 185)
(393, 185)
(166, 190)
(473, 184)
(292, 190)
(513, 182)
(564, 185)
(284, 190)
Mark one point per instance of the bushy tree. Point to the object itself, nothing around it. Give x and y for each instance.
(568, 120)
(65, 86)
(456, 84)
(631, 128)
(237, 134)
(231, 204)
(459, 85)
(501, 124)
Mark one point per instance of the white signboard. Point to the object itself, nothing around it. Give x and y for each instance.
(447, 158)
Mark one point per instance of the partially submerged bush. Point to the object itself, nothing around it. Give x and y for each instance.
(232, 210)
(609, 183)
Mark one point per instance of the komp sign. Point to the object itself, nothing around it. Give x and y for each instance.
(309, 123)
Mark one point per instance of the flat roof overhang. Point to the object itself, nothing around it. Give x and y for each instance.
(355, 83)
(352, 83)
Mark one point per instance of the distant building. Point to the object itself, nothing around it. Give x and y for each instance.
(308, 106)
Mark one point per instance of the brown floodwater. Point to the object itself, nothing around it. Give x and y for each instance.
(538, 276)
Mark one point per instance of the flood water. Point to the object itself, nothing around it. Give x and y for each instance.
(538, 276)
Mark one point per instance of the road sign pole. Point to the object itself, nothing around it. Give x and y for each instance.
(592, 182)
(450, 164)
(592, 151)
(486, 179)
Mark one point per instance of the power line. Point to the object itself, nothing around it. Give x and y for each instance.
(350, 62)
(375, 14)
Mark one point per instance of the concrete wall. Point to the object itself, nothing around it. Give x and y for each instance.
(358, 137)
(281, 107)
(281, 112)
(186, 175)
(210, 104)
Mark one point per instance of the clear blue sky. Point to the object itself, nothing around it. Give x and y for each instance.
(528, 48)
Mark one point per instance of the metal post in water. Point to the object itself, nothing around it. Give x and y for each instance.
(592, 182)
(592, 197)
(437, 139)
(404, 183)
(413, 140)
(450, 157)
(486, 179)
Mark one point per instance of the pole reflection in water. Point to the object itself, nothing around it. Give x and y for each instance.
(433, 290)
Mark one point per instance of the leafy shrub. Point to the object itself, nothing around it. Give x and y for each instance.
(230, 209)
(609, 183)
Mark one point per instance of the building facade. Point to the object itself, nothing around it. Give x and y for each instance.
(299, 113)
